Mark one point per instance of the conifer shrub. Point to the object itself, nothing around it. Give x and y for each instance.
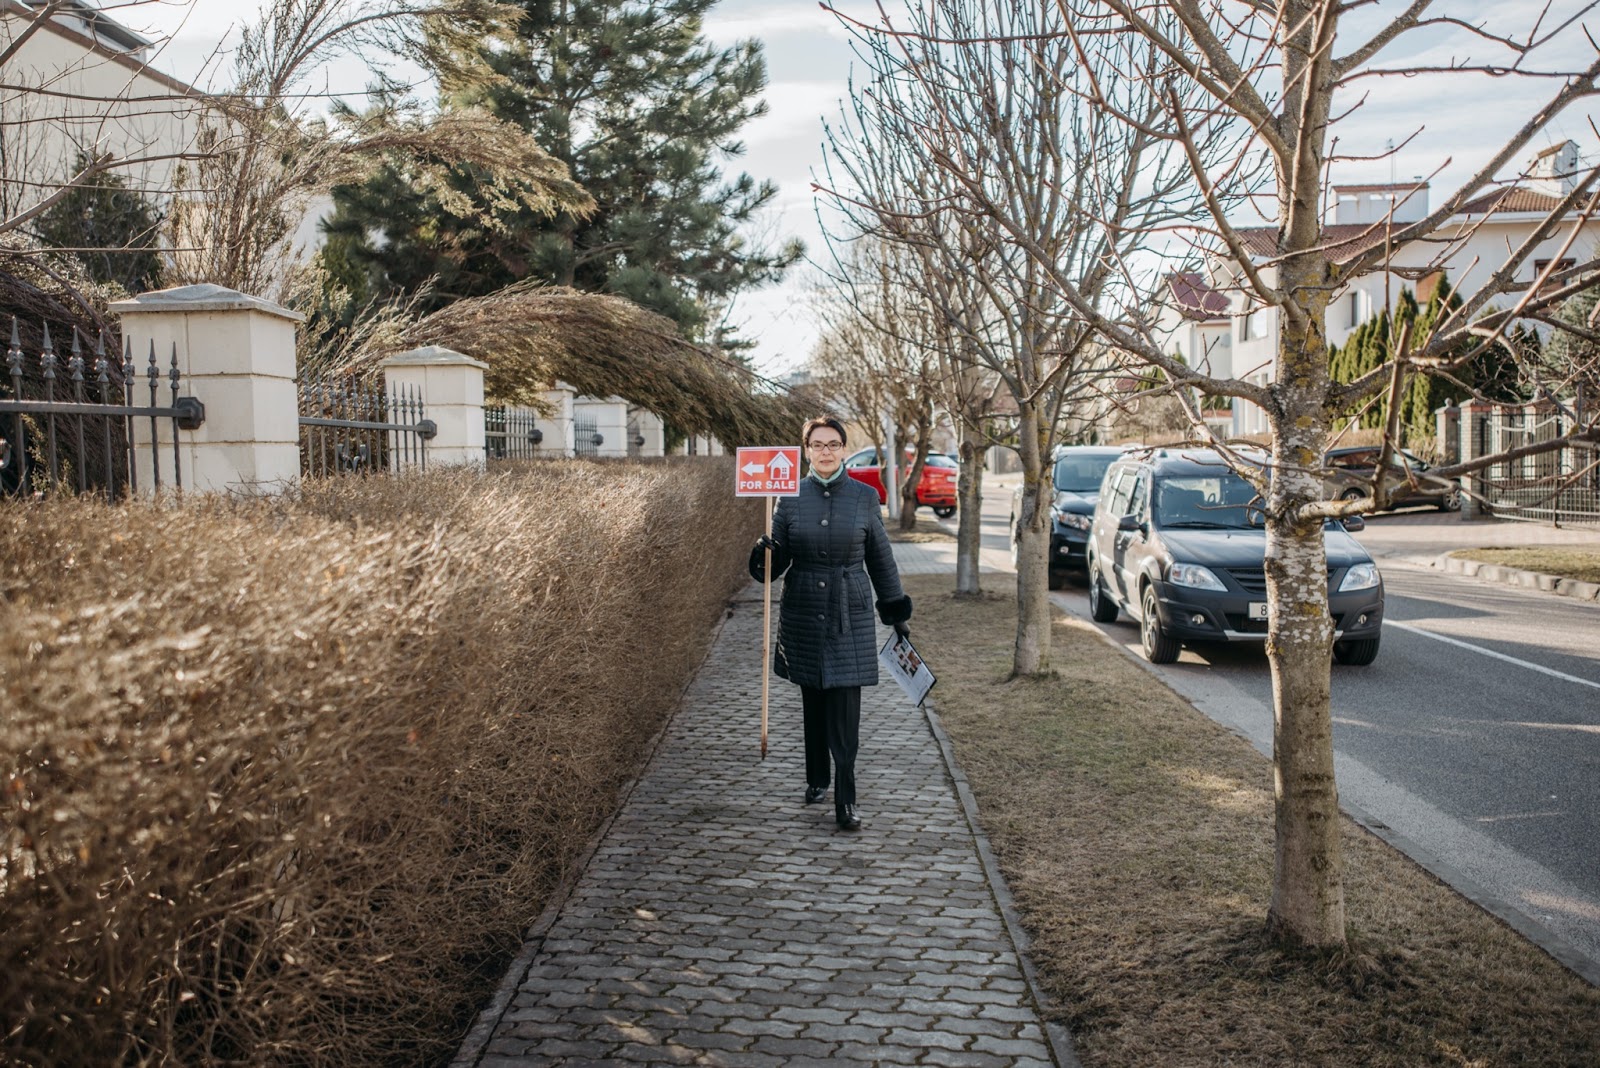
(284, 781)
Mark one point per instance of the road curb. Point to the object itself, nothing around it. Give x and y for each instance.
(1059, 1038)
(1511, 576)
(1556, 947)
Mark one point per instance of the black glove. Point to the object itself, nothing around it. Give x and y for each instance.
(758, 558)
(903, 629)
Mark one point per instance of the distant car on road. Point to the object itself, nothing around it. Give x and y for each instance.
(937, 490)
(1076, 472)
(1178, 543)
(1348, 472)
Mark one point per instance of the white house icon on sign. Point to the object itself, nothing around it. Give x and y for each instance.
(780, 466)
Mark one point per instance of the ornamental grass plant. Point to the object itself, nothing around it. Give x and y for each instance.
(284, 780)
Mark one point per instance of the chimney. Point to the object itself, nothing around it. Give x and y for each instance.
(1408, 201)
(1554, 171)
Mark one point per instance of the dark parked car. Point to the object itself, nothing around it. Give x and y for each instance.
(1076, 476)
(937, 490)
(1178, 543)
(1348, 477)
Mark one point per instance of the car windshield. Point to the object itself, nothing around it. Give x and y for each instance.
(1210, 501)
(1082, 474)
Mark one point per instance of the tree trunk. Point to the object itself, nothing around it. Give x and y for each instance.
(969, 514)
(913, 479)
(1307, 884)
(1031, 655)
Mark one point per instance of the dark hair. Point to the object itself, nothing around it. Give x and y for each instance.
(818, 423)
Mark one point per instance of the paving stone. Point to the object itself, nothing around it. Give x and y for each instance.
(722, 922)
(965, 1059)
(921, 1039)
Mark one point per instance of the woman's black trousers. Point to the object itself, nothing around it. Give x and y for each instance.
(833, 728)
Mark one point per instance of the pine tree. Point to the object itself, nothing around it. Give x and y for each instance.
(112, 228)
(642, 109)
(1491, 373)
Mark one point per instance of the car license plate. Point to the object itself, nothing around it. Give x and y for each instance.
(1258, 610)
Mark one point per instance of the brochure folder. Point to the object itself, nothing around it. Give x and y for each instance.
(901, 660)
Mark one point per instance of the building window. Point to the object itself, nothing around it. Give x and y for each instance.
(1539, 269)
(1353, 304)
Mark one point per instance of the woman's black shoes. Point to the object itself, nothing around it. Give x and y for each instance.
(848, 820)
(815, 794)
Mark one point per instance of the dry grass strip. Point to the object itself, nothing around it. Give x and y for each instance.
(283, 781)
(1136, 835)
(1564, 561)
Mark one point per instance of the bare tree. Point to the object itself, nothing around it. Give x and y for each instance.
(965, 112)
(880, 351)
(1282, 76)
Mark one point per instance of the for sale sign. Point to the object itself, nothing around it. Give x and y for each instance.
(769, 472)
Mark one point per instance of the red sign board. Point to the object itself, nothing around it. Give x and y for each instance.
(769, 472)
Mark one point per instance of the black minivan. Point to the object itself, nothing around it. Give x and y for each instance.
(1177, 542)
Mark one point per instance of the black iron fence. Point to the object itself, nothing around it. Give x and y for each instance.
(512, 434)
(586, 437)
(71, 425)
(350, 428)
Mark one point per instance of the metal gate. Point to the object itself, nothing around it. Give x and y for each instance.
(1560, 485)
(511, 433)
(347, 428)
(586, 438)
(74, 426)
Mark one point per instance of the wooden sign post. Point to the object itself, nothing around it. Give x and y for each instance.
(767, 472)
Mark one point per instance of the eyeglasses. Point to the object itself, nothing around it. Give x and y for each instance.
(824, 446)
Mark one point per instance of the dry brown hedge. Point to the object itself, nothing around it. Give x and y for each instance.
(284, 781)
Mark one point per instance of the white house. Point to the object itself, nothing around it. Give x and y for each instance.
(1467, 249)
(80, 85)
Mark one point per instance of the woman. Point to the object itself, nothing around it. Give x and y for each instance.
(830, 540)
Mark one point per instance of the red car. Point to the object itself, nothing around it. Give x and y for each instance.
(937, 489)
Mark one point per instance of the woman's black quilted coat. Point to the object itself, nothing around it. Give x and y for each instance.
(832, 540)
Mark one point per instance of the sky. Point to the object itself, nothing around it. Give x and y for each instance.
(1453, 123)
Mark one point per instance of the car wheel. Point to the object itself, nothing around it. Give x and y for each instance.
(1054, 579)
(944, 511)
(1351, 494)
(1358, 652)
(1451, 501)
(1159, 646)
(1102, 609)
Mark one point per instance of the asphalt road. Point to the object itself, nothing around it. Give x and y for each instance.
(1473, 741)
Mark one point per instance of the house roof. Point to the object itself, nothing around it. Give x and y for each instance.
(1194, 299)
(106, 28)
(1348, 240)
(1512, 198)
(1344, 240)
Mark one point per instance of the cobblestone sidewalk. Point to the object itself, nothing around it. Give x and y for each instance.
(722, 922)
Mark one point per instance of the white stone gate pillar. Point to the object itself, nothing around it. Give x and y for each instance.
(451, 386)
(236, 356)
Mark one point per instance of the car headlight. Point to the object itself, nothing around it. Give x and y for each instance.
(1195, 577)
(1073, 520)
(1359, 577)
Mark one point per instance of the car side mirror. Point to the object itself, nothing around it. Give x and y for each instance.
(1130, 522)
(1354, 523)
